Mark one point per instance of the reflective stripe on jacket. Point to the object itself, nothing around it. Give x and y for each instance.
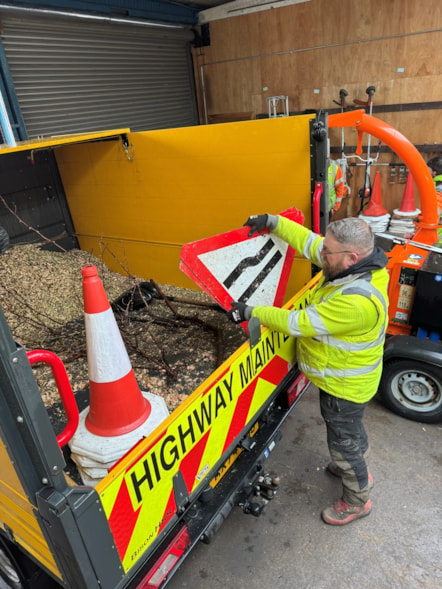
(341, 332)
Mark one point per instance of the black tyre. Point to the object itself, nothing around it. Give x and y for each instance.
(4, 240)
(412, 389)
(9, 572)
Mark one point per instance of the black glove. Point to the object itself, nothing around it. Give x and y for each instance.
(239, 312)
(256, 223)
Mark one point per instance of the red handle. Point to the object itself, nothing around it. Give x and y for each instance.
(316, 207)
(64, 388)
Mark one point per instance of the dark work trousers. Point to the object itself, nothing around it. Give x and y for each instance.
(348, 445)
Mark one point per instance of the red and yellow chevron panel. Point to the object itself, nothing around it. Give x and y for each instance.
(138, 494)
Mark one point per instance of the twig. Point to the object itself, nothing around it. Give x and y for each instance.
(184, 301)
(165, 299)
(105, 248)
(163, 364)
(20, 220)
(196, 319)
(18, 298)
(177, 322)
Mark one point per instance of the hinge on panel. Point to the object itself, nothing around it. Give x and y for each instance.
(180, 492)
(128, 147)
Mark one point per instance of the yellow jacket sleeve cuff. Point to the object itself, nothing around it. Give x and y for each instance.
(273, 317)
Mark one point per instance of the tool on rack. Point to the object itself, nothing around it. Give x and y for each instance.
(343, 160)
(365, 192)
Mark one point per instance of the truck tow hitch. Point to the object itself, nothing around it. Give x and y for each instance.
(253, 508)
(265, 487)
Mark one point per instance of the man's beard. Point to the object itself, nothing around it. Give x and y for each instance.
(330, 273)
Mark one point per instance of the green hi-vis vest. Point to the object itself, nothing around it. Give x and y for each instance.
(340, 334)
(331, 183)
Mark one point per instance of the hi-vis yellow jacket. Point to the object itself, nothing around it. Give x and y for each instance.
(336, 185)
(340, 334)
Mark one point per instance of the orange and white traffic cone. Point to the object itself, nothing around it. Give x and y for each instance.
(374, 207)
(116, 403)
(119, 414)
(408, 207)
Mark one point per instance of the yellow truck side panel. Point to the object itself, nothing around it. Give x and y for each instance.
(17, 513)
(138, 495)
(191, 441)
(175, 186)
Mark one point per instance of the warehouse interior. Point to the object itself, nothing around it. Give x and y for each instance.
(85, 67)
(241, 57)
(131, 128)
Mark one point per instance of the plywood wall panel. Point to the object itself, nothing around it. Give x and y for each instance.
(310, 51)
(319, 23)
(420, 125)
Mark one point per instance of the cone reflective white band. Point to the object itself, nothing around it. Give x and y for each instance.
(107, 356)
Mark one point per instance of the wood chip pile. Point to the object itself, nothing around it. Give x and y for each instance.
(175, 340)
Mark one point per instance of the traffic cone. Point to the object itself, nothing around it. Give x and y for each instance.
(408, 207)
(119, 414)
(374, 207)
(116, 403)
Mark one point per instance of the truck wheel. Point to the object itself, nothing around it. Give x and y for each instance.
(4, 240)
(9, 573)
(412, 389)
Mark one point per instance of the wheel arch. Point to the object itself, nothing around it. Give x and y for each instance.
(31, 575)
(413, 348)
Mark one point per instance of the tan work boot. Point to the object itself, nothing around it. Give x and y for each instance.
(341, 513)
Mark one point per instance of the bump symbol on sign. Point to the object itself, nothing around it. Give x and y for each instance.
(249, 270)
(252, 261)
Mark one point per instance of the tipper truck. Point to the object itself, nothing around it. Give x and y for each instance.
(175, 487)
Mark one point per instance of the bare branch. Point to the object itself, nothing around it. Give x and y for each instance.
(20, 220)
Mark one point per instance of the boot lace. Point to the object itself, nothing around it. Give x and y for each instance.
(340, 506)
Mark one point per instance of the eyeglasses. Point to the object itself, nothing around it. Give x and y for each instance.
(325, 253)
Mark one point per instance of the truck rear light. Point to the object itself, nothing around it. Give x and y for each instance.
(296, 388)
(167, 560)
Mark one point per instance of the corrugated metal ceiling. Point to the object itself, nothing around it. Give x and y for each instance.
(203, 4)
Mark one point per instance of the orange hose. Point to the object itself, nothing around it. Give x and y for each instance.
(429, 219)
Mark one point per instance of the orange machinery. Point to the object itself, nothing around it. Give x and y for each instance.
(411, 383)
(406, 257)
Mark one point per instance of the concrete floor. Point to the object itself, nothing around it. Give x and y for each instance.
(399, 545)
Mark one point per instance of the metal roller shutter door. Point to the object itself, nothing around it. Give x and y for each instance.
(73, 76)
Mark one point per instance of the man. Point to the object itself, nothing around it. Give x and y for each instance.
(340, 337)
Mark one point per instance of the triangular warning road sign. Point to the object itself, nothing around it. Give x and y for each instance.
(234, 267)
